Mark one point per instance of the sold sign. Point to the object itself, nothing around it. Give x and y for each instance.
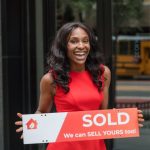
(81, 125)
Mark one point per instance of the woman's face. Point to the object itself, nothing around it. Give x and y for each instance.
(78, 48)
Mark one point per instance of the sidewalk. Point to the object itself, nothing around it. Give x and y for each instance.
(139, 143)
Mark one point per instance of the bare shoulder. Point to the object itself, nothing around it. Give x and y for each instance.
(47, 78)
(107, 74)
(46, 81)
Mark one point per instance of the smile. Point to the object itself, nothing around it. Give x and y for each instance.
(80, 55)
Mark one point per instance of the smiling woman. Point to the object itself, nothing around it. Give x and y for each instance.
(78, 49)
(75, 61)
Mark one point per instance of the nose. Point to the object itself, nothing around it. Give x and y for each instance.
(80, 45)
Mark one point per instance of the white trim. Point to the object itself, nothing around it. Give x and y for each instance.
(132, 97)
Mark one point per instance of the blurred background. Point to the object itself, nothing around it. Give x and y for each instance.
(27, 28)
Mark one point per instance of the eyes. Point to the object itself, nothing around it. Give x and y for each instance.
(76, 41)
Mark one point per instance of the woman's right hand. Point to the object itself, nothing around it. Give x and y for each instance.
(19, 123)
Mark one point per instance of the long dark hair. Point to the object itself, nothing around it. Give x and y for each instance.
(59, 63)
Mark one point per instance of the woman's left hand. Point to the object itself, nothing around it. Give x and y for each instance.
(140, 118)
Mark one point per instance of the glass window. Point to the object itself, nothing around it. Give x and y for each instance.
(76, 10)
(124, 47)
(131, 21)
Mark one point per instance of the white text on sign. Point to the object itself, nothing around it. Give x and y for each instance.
(89, 120)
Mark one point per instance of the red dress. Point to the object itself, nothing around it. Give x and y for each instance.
(83, 95)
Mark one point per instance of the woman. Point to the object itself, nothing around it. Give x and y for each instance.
(77, 80)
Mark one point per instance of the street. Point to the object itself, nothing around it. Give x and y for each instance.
(133, 89)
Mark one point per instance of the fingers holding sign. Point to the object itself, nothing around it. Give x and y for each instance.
(140, 118)
(19, 123)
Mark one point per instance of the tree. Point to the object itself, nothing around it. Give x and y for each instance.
(124, 11)
(79, 7)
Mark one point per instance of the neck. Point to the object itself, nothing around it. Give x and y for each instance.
(78, 69)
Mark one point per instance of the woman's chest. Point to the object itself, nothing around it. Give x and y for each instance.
(83, 95)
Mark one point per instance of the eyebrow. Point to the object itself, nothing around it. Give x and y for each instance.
(77, 37)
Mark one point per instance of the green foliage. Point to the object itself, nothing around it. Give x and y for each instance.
(134, 8)
(124, 10)
(82, 5)
(119, 12)
(76, 9)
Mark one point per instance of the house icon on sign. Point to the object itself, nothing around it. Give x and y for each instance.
(32, 124)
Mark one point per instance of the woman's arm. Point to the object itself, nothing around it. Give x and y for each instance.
(107, 79)
(47, 92)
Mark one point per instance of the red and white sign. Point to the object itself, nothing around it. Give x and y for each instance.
(81, 125)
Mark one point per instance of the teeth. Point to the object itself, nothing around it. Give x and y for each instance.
(80, 53)
(80, 56)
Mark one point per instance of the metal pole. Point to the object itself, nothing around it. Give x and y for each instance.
(104, 30)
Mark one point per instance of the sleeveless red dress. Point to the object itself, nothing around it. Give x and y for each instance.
(83, 95)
